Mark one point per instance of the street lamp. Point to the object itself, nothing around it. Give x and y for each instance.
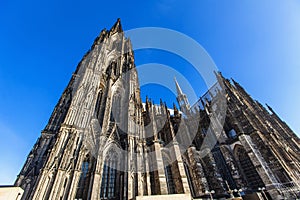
(238, 191)
(262, 190)
(210, 193)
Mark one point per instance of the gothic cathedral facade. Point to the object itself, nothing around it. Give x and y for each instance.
(102, 142)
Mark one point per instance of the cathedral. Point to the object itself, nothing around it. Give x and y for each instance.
(103, 142)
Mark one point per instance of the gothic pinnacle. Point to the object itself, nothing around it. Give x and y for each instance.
(175, 107)
(117, 27)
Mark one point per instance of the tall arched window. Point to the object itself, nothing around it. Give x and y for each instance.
(247, 167)
(98, 103)
(116, 107)
(168, 173)
(109, 177)
(170, 180)
(83, 184)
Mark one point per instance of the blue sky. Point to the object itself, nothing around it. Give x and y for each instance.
(255, 42)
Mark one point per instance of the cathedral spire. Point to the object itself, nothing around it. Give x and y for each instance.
(117, 27)
(182, 100)
(178, 89)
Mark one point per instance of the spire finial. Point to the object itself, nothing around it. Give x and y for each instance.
(179, 91)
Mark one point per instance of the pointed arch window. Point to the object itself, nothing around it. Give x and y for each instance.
(104, 181)
(109, 177)
(248, 169)
(170, 181)
(116, 107)
(83, 184)
(98, 103)
(168, 173)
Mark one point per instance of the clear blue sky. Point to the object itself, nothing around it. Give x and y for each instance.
(255, 42)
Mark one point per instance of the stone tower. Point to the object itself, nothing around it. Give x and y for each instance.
(67, 162)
